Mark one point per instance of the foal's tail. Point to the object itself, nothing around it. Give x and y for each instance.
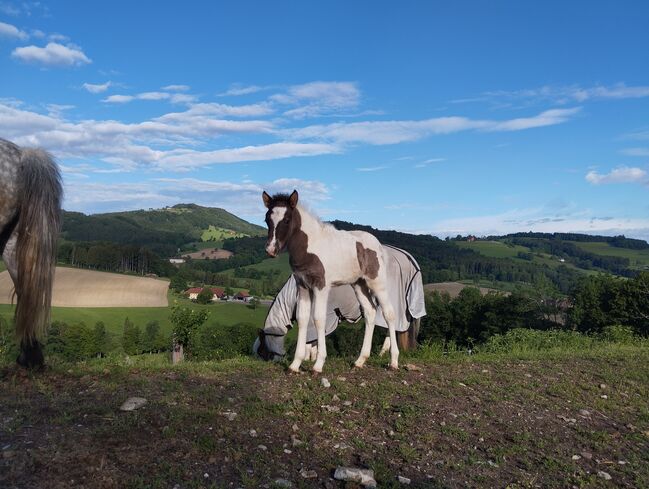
(39, 184)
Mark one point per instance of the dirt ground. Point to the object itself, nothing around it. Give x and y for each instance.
(567, 422)
(86, 288)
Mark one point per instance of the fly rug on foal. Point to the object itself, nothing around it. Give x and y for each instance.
(30, 214)
(321, 257)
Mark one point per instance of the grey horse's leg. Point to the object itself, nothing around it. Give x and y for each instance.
(31, 353)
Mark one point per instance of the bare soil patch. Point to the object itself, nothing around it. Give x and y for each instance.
(86, 288)
(454, 288)
(497, 423)
(209, 254)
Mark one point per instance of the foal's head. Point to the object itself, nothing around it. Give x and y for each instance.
(279, 219)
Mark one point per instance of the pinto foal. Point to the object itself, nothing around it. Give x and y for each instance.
(322, 256)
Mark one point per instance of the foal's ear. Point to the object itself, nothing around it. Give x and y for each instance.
(292, 200)
(266, 199)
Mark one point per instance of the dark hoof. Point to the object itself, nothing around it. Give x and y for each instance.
(31, 356)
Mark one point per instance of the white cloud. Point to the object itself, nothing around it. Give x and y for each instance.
(12, 32)
(118, 99)
(565, 94)
(393, 132)
(622, 174)
(521, 220)
(371, 168)
(53, 54)
(428, 162)
(241, 198)
(159, 143)
(176, 88)
(318, 98)
(175, 98)
(636, 151)
(97, 88)
(238, 90)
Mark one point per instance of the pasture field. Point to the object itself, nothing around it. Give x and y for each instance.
(226, 313)
(552, 419)
(638, 258)
(213, 233)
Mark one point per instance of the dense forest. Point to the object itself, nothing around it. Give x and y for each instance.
(442, 261)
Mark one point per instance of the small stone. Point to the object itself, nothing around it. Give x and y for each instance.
(584, 412)
(462, 384)
(230, 415)
(133, 403)
(602, 386)
(412, 367)
(335, 398)
(529, 376)
(492, 463)
(363, 384)
(604, 475)
(331, 409)
(263, 448)
(295, 427)
(206, 475)
(253, 433)
(481, 439)
(342, 379)
(309, 474)
(587, 455)
(296, 441)
(576, 457)
(347, 403)
(404, 382)
(485, 371)
(287, 451)
(283, 483)
(622, 462)
(325, 382)
(604, 396)
(402, 479)
(365, 477)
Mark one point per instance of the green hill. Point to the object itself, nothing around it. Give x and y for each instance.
(161, 230)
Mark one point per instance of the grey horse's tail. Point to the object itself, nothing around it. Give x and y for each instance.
(39, 223)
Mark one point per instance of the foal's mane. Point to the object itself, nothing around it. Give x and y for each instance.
(283, 200)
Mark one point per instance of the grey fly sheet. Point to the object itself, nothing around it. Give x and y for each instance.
(405, 288)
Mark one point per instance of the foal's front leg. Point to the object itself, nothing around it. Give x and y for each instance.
(320, 298)
(303, 314)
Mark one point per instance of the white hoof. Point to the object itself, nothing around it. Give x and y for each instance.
(394, 366)
(360, 363)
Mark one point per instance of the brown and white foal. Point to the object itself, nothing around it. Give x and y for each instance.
(322, 256)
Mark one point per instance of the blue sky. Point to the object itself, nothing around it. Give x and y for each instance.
(427, 117)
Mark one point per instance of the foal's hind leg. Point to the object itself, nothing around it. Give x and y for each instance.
(379, 290)
(369, 311)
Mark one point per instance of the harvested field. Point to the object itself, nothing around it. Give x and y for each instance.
(86, 288)
(209, 254)
(454, 288)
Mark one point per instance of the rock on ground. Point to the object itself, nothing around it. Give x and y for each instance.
(365, 477)
(133, 403)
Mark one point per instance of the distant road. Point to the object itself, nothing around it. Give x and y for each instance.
(86, 288)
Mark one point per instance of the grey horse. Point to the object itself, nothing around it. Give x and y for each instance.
(30, 220)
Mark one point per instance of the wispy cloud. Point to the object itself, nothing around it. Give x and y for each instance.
(393, 132)
(562, 95)
(238, 90)
(623, 174)
(429, 162)
(97, 88)
(371, 168)
(318, 98)
(174, 98)
(12, 32)
(176, 88)
(635, 151)
(53, 54)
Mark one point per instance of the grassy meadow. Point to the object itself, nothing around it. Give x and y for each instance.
(532, 410)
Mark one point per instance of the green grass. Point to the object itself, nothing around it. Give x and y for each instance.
(219, 234)
(637, 258)
(113, 317)
(2, 266)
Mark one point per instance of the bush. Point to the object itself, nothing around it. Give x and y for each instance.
(131, 341)
(8, 346)
(217, 342)
(618, 334)
(521, 340)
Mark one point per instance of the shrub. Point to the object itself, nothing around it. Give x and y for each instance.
(217, 341)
